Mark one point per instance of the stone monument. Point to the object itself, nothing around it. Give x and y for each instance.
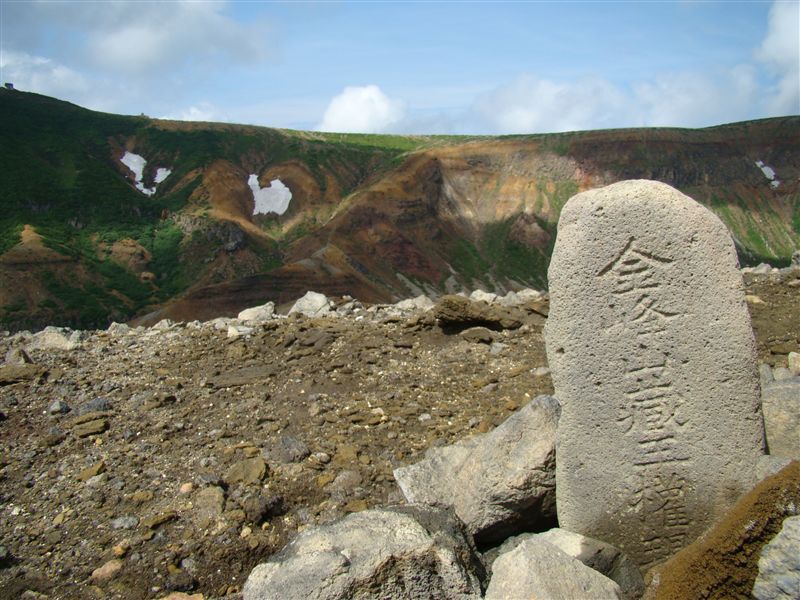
(653, 360)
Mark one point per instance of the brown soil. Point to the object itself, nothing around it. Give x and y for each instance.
(724, 562)
(187, 405)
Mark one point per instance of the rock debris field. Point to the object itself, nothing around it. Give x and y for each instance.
(144, 463)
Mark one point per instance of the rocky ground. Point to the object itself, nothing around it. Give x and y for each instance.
(176, 458)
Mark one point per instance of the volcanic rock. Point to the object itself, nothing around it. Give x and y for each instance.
(395, 552)
(536, 569)
(499, 483)
(653, 360)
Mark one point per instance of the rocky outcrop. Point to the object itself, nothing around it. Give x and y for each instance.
(458, 313)
(396, 552)
(537, 569)
(499, 483)
(779, 565)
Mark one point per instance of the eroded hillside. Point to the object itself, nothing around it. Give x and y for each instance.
(376, 217)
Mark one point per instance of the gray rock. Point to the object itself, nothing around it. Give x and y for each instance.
(208, 506)
(118, 329)
(781, 404)
(499, 483)
(521, 297)
(761, 269)
(312, 304)
(127, 522)
(793, 362)
(779, 565)
(653, 359)
(420, 303)
(94, 405)
(603, 558)
(396, 552)
(236, 331)
(458, 313)
(290, 450)
(536, 569)
(496, 348)
(257, 314)
(58, 407)
(17, 356)
(770, 465)
(164, 325)
(55, 338)
(478, 335)
(781, 374)
(481, 296)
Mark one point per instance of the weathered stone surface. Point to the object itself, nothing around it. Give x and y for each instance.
(17, 356)
(536, 569)
(653, 360)
(208, 504)
(313, 304)
(257, 314)
(396, 552)
(15, 373)
(793, 363)
(237, 331)
(248, 471)
(603, 558)
(779, 565)
(420, 303)
(108, 571)
(478, 335)
(457, 312)
(499, 483)
(723, 563)
(94, 427)
(55, 338)
(780, 401)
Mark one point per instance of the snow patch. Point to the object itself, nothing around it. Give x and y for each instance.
(273, 198)
(136, 164)
(161, 174)
(769, 173)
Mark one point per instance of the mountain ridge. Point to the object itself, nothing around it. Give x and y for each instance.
(377, 217)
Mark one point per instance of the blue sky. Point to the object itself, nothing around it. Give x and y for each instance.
(413, 67)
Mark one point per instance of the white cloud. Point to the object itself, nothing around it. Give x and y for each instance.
(159, 36)
(361, 110)
(529, 104)
(204, 111)
(696, 100)
(42, 75)
(780, 53)
(131, 38)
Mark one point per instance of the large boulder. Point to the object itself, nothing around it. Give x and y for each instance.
(779, 565)
(724, 562)
(397, 552)
(313, 304)
(499, 483)
(536, 569)
(603, 558)
(457, 313)
(653, 360)
(55, 338)
(257, 314)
